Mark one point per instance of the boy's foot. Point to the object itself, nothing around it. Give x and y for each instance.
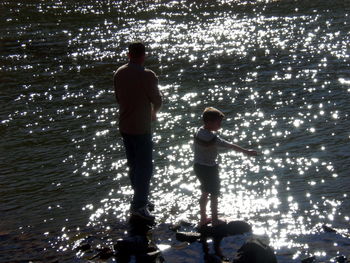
(143, 212)
(218, 222)
(204, 222)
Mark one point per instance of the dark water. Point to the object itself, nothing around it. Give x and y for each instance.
(278, 69)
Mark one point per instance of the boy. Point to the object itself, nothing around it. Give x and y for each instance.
(206, 144)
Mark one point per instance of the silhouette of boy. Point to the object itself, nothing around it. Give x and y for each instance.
(206, 145)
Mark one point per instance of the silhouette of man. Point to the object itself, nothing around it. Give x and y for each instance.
(139, 99)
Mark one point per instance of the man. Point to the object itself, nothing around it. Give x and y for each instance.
(139, 100)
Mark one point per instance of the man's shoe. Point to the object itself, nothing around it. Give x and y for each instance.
(144, 213)
(150, 206)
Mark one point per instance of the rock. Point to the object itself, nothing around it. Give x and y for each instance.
(309, 260)
(238, 228)
(139, 226)
(219, 231)
(152, 256)
(132, 245)
(212, 258)
(255, 251)
(225, 229)
(144, 255)
(104, 253)
(185, 223)
(83, 247)
(175, 228)
(328, 229)
(213, 231)
(123, 258)
(341, 259)
(187, 236)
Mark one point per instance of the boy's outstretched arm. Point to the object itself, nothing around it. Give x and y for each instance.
(238, 148)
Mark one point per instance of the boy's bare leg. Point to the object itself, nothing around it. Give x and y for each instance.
(203, 201)
(214, 209)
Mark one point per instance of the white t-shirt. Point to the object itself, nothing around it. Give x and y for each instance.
(206, 145)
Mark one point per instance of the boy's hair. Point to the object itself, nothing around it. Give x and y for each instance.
(137, 49)
(212, 114)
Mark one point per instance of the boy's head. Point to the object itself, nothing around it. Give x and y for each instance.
(137, 50)
(212, 117)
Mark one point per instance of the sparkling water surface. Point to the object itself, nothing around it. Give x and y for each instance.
(279, 70)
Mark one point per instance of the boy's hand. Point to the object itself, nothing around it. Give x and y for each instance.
(252, 152)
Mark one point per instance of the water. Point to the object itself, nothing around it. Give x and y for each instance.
(279, 70)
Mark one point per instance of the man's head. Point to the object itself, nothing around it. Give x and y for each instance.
(137, 52)
(212, 118)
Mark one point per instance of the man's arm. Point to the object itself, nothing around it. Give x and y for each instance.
(154, 95)
(115, 87)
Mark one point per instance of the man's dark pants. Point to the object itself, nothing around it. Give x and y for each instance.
(138, 150)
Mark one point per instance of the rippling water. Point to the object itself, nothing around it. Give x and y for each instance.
(278, 69)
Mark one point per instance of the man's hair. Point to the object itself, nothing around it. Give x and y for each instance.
(212, 114)
(136, 50)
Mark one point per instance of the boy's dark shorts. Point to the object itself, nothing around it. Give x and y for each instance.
(208, 177)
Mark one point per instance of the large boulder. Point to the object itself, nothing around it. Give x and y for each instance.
(309, 260)
(225, 229)
(255, 251)
(132, 245)
(139, 226)
(187, 236)
(138, 246)
(238, 228)
(153, 256)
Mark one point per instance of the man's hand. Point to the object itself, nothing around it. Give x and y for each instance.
(153, 116)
